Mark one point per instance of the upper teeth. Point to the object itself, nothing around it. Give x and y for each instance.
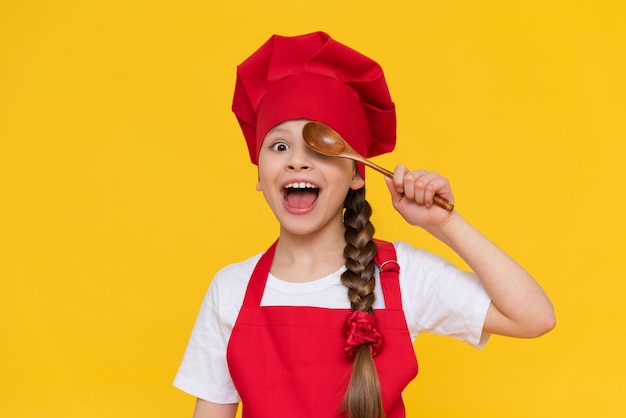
(300, 185)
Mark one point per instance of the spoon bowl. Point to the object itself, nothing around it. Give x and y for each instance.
(326, 141)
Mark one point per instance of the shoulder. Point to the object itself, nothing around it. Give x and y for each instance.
(226, 292)
(424, 274)
(411, 257)
(237, 270)
(233, 278)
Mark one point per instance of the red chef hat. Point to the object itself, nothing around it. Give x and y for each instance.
(315, 77)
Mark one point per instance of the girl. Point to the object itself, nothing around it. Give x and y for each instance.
(322, 323)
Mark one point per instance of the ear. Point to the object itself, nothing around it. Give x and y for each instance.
(259, 188)
(357, 181)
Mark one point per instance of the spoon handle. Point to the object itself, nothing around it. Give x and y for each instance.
(442, 202)
(378, 168)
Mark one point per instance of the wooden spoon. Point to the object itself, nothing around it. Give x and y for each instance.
(327, 141)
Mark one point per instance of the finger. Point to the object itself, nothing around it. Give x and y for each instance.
(413, 185)
(398, 177)
(428, 185)
(411, 181)
(393, 189)
(436, 185)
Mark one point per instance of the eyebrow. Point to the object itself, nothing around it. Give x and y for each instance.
(280, 129)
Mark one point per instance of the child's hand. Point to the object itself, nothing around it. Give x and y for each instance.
(412, 194)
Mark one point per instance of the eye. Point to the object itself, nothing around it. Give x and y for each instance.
(279, 146)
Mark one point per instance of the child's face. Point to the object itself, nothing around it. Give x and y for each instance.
(305, 190)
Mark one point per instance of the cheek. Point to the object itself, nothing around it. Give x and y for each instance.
(349, 171)
(266, 176)
(337, 166)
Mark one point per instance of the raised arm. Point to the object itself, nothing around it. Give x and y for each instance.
(519, 307)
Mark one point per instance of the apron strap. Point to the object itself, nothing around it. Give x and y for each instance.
(256, 285)
(389, 274)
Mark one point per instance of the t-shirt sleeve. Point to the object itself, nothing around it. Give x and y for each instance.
(440, 298)
(203, 371)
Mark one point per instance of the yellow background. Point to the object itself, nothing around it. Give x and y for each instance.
(125, 184)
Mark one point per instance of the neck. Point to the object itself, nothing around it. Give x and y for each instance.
(301, 258)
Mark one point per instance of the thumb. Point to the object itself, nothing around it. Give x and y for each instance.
(395, 194)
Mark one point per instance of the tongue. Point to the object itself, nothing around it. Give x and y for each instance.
(301, 199)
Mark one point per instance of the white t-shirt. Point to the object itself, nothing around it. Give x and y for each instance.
(436, 297)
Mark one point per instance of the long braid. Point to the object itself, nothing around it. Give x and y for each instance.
(363, 396)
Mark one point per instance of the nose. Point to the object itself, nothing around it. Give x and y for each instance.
(300, 159)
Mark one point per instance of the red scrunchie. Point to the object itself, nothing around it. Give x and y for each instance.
(361, 328)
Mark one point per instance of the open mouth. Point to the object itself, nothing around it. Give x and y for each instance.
(300, 195)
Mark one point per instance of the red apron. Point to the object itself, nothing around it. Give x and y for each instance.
(288, 361)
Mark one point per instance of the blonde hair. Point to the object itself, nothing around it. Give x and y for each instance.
(363, 397)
